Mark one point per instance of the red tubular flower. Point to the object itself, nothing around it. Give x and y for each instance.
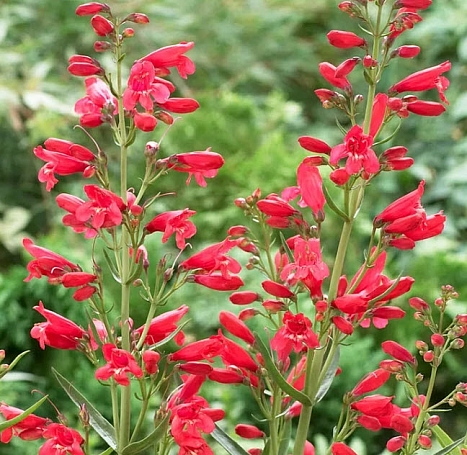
(426, 79)
(374, 405)
(277, 289)
(226, 376)
(405, 206)
(371, 382)
(394, 159)
(198, 350)
(163, 325)
(405, 19)
(47, 263)
(357, 149)
(295, 334)
(61, 440)
(347, 66)
(214, 258)
(172, 56)
(180, 105)
(88, 9)
(406, 51)
(173, 222)
(417, 4)
(29, 429)
(58, 332)
(313, 144)
(426, 108)
(243, 297)
(196, 368)
(248, 431)
(378, 114)
(345, 40)
(219, 282)
(236, 327)
(63, 158)
(328, 71)
(273, 205)
(82, 65)
(151, 361)
(144, 121)
(342, 324)
(197, 164)
(339, 448)
(71, 204)
(101, 25)
(232, 354)
(310, 182)
(398, 352)
(120, 365)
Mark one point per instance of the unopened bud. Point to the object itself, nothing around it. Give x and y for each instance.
(424, 441)
(137, 18)
(168, 274)
(151, 149)
(437, 340)
(2, 355)
(84, 415)
(102, 46)
(137, 283)
(457, 344)
(128, 33)
(433, 421)
(428, 356)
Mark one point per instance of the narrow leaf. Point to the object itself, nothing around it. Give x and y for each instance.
(23, 415)
(107, 451)
(328, 376)
(148, 441)
(446, 442)
(100, 424)
(171, 336)
(112, 268)
(232, 447)
(333, 206)
(277, 377)
(287, 250)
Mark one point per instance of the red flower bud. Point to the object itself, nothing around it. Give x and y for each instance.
(236, 327)
(395, 444)
(248, 431)
(137, 18)
(397, 351)
(101, 25)
(345, 40)
(371, 381)
(244, 297)
(314, 145)
(437, 340)
(407, 51)
(277, 289)
(88, 9)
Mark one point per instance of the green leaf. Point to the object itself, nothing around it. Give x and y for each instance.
(148, 441)
(112, 268)
(100, 424)
(446, 442)
(328, 376)
(171, 336)
(227, 442)
(13, 364)
(23, 415)
(277, 377)
(332, 205)
(107, 451)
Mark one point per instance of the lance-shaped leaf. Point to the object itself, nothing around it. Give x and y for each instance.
(449, 446)
(100, 424)
(148, 441)
(227, 442)
(275, 374)
(329, 376)
(23, 415)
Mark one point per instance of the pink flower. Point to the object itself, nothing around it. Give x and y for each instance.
(173, 222)
(98, 105)
(120, 365)
(357, 149)
(61, 440)
(201, 165)
(172, 56)
(58, 332)
(295, 334)
(63, 158)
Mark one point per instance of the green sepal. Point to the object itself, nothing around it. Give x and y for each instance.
(148, 441)
(23, 415)
(231, 446)
(100, 424)
(277, 377)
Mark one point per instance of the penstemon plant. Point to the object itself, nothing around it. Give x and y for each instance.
(308, 305)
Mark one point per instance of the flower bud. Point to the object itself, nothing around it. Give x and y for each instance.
(137, 18)
(437, 340)
(248, 431)
(101, 25)
(247, 313)
(407, 51)
(457, 344)
(433, 421)
(128, 33)
(428, 356)
(244, 297)
(88, 9)
(424, 441)
(102, 46)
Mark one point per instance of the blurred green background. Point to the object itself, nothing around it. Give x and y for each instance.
(256, 72)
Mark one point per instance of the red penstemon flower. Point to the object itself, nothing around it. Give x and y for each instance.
(61, 440)
(345, 40)
(29, 429)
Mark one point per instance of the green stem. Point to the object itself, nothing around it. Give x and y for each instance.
(273, 423)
